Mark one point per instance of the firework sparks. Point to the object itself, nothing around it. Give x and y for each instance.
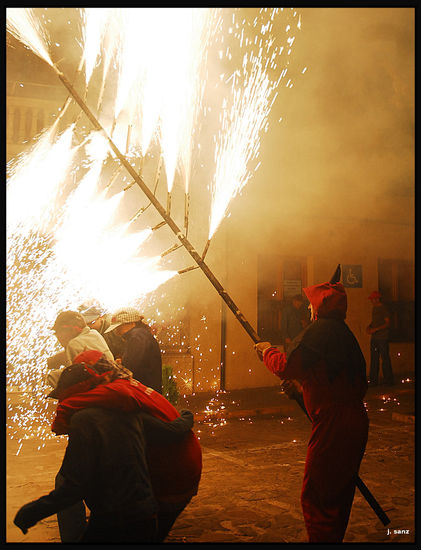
(245, 109)
(162, 89)
(77, 247)
(63, 263)
(183, 81)
(160, 92)
(35, 180)
(95, 22)
(48, 271)
(24, 26)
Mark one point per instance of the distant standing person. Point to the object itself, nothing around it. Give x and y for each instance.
(141, 352)
(295, 318)
(379, 342)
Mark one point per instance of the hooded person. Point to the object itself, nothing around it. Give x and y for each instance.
(328, 364)
(94, 381)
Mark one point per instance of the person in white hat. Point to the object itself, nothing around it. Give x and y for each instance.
(98, 319)
(141, 352)
(75, 336)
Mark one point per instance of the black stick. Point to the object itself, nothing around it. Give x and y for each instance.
(162, 211)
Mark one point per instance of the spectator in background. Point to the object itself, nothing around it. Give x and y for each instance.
(379, 342)
(295, 317)
(97, 319)
(141, 352)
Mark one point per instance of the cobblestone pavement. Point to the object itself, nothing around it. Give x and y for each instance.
(251, 481)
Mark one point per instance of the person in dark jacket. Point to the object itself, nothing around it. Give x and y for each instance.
(379, 341)
(141, 353)
(168, 433)
(104, 465)
(95, 381)
(328, 364)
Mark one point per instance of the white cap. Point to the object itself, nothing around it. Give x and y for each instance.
(123, 316)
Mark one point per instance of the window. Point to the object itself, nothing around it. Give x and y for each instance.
(397, 287)
(40, 120)
(16, 126)
(28, 123)
(278, 280)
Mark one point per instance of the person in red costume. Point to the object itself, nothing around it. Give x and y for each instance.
(327, 362)
(175, 463)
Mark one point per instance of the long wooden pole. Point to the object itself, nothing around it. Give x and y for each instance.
(162, 211)
(198, 259)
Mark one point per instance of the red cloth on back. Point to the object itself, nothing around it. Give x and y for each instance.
(175, 468)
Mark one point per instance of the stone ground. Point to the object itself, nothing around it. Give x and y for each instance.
(254, 447)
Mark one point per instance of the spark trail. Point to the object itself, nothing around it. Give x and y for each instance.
(158, 88)
(248, 101)
(159, 105)
(24, 26)
(57, 262)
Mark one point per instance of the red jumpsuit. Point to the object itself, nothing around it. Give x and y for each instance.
(336, 409)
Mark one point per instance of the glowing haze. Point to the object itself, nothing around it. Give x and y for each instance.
(22, 23)
(147, 69)
(158, 91)
(247, 104)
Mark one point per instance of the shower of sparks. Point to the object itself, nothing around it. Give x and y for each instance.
(24, 26)
(158, 54)
(184, 88)
(65, 243)
(159, 94)
(35, 181)
(95, 22)
(246, 106)
(77, 256)
(83, 253)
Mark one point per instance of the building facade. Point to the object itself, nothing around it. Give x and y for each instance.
(336, 185)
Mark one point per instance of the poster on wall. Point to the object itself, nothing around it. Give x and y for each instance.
(352, 276)
(291, 287)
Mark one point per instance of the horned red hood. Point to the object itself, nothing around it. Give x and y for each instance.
(328, 300)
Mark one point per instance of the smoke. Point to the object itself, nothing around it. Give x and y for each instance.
(344, 149)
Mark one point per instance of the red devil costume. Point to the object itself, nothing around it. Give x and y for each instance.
(327, 361)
